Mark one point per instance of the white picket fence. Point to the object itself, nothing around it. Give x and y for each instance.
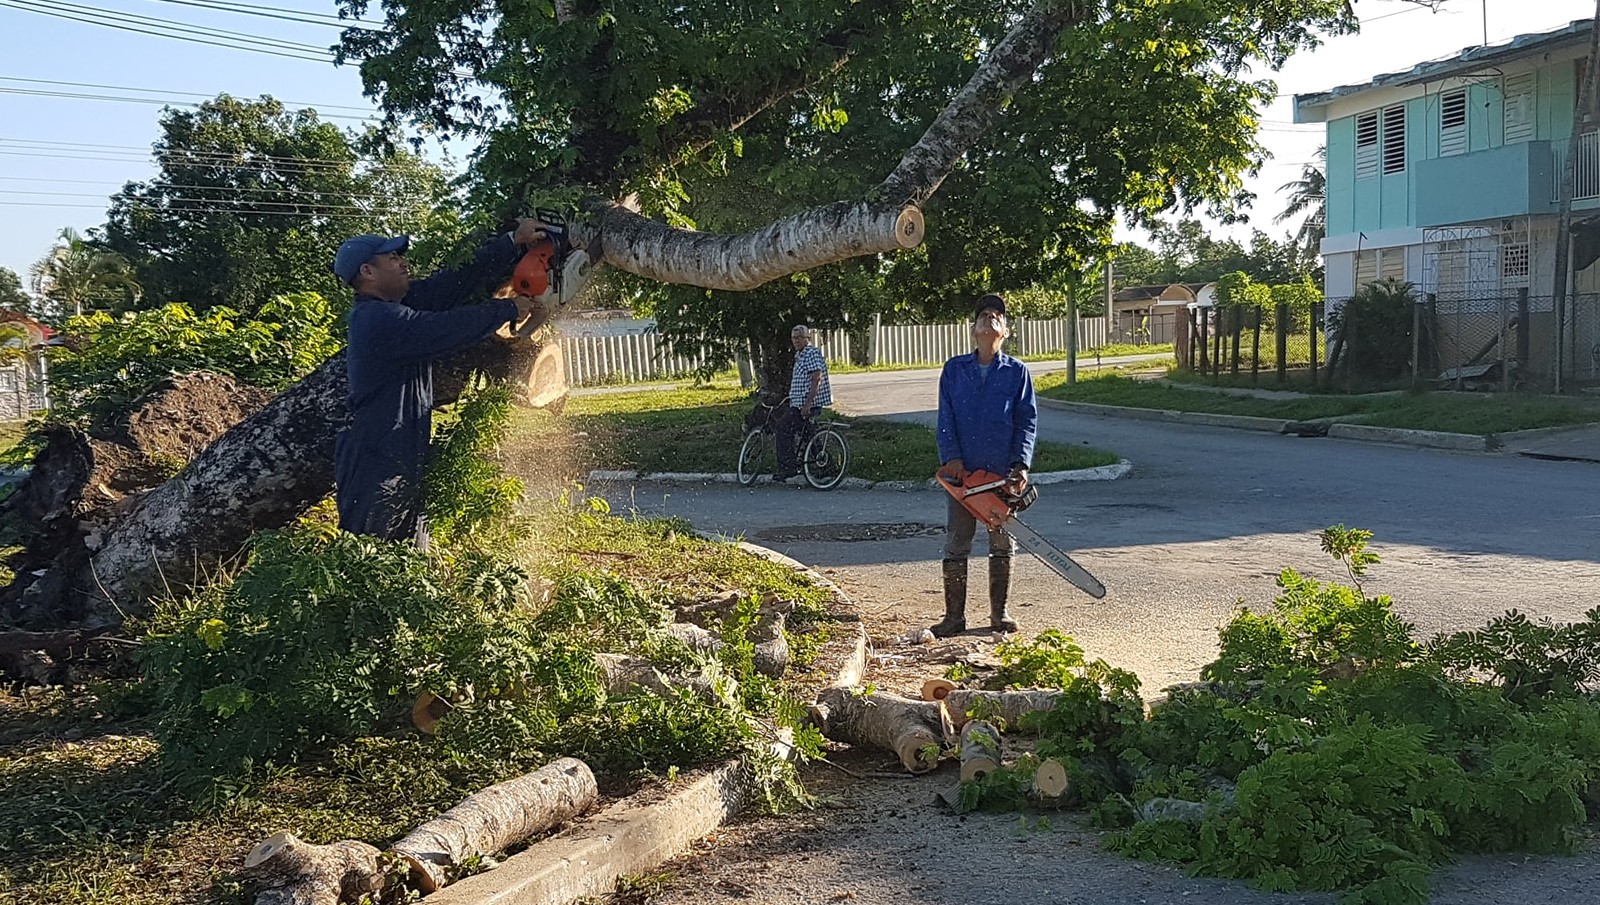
(596, 360)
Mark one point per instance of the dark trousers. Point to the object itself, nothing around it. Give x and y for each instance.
(959, 528)
(790, 427)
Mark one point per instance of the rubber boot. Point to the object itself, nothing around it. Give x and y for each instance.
(955, 600)
(999, 594)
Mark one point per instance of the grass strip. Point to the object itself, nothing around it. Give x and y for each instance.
(700, 430)
(1450, 412)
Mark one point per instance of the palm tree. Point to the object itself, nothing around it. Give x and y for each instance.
(75, 273)
(1309, 195)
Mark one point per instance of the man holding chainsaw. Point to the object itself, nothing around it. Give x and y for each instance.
(988, 421)
(397, 328)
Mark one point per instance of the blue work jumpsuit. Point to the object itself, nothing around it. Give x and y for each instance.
(380, 456)
(990, 424)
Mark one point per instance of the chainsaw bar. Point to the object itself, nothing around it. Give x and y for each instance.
(984, 495)
(1052, 556)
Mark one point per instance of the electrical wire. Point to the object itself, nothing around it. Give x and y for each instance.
(173, 91)
(305, 17)
(324, 57)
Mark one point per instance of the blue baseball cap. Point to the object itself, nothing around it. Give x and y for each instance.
(359, 250)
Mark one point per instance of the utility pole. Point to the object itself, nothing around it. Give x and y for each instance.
(1582, 117)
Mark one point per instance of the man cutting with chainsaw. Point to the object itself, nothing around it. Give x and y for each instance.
(988, 421)
(397, 328)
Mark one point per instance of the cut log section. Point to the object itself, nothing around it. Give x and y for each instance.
(980, 750)
(908, 728)
(290, 872)
(1050, 780)
(621, 674)
(1007, 706)
(937, 689)
(495, 819)
(771, 654)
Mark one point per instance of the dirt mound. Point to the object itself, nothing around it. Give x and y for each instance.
(79, 480)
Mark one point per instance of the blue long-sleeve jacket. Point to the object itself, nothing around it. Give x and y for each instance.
(989, 425)
(379, 457)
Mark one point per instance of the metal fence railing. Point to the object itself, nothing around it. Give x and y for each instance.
(1517, 340)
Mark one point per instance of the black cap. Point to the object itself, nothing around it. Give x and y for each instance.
(990, 302)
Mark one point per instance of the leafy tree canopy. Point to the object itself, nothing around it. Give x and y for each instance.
(251, 200)
(726, 114)
(12, 296)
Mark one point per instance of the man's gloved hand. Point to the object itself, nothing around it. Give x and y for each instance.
(540, 312)
(955, 469)
(1018, 478)
(529, 231)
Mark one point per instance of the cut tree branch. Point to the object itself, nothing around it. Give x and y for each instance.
(890, 219)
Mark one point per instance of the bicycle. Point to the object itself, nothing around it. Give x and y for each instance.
(824, 455)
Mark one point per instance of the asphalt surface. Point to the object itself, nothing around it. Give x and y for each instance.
(1204, 522)
(1207, 518)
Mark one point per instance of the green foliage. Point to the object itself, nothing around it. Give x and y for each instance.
(250, 200)
(324, 640)
(12, 296)
(76, 276)
(728, 116)
(1328, 750)
(115, 360)
(1374, 326)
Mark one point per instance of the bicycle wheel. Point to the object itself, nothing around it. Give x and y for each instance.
(826, 458)
(752, 457)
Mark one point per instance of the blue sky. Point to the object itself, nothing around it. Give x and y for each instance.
(35, 132)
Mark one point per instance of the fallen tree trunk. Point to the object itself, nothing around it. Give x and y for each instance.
(908, 728)
(622, 674)
(1007, 706)
(771, 656)
(290, 872)
(261, 473)
(495, 819)
(980, 750)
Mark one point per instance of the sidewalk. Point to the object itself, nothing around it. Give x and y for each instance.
(1573, 444)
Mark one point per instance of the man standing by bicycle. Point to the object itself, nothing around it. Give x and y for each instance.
(809, 391)
(988, 421)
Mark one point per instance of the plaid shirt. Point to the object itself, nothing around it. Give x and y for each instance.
(806, 361)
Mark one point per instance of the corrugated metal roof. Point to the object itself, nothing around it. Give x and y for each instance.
(1471, 59)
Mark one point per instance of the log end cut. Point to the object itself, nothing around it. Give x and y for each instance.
(909, 228)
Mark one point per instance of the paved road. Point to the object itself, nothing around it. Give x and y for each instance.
(1207, 518)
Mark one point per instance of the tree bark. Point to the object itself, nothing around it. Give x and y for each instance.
(260, 474)
(980, 750)
(291, 872)
(889, 219)
(908, 728)
(1007, 706)
(495, 819)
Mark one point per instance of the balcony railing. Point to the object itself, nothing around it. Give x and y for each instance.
(1586, 185)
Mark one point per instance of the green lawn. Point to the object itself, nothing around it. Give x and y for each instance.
(700, 429)
(1453, 412)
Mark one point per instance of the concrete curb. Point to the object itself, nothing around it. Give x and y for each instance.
(621, 840)
(1098, 473)
(1407, 437)
(1205, 419)
(630, 838)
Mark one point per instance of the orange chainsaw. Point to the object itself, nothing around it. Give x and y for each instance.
(990, 499)
(552, 270)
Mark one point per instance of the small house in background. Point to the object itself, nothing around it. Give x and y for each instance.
(1147, 314)
(24, 376)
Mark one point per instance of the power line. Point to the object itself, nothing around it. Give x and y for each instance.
(325, 57)
(305, 17)
(116, 15)
(221, 159)
(149, 101)
(210, 95)
(380, 215)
